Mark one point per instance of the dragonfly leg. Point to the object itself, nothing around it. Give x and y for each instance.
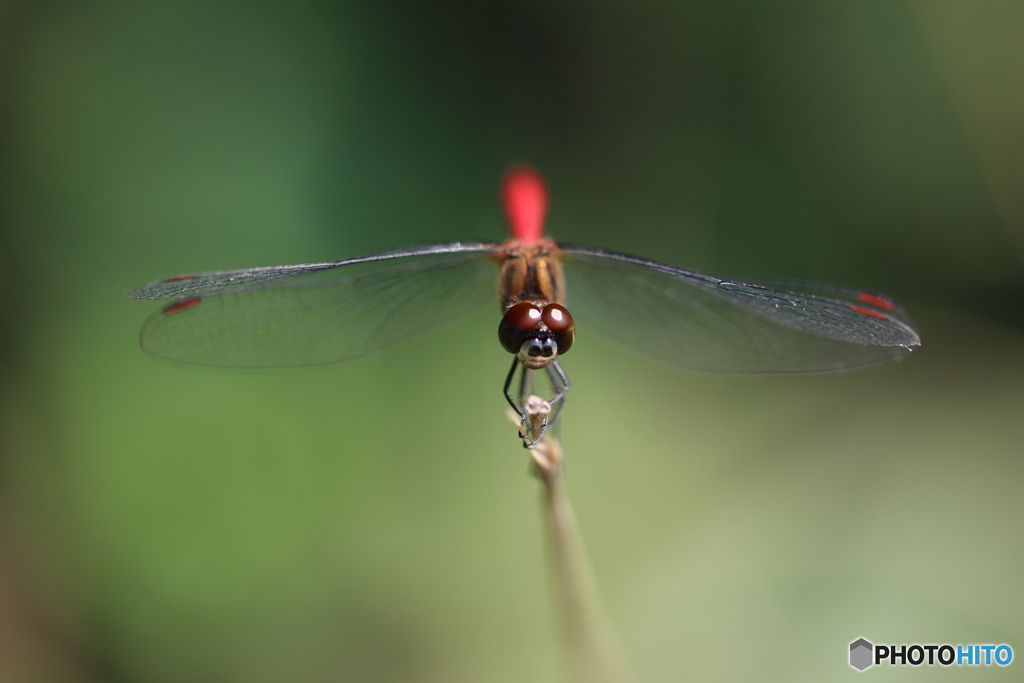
(532, 410)
(513, 400)
(561, 383)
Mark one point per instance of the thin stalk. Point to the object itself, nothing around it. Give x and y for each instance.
(594, 654)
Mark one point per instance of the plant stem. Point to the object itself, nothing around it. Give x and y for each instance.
(593, 651)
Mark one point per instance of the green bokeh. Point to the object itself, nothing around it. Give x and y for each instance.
(374, 521)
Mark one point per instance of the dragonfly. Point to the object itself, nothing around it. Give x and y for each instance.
(319, 313)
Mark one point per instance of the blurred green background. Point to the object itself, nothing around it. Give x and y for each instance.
(375, 521)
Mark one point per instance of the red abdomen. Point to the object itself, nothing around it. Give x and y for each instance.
(524, 196)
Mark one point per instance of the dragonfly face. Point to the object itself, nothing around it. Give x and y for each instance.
(536, 332)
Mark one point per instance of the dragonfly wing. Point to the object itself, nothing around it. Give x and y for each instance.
(705, 323)
(847, 296)
(318, 315)
(222, 281)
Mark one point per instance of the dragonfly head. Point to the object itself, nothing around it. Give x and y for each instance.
(536, 332)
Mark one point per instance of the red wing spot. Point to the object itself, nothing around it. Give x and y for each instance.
(179, 278)
(877, 300)
(181, 305)
(868, 311)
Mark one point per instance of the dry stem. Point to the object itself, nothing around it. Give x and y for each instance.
(594, 653)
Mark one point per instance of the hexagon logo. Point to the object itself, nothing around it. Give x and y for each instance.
(860, 654)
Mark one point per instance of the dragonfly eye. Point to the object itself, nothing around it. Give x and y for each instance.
(560, 323)
(519, 323)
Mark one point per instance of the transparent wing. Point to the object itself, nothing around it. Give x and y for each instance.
(705, 323)
(317, 313)
(845, 295)
(222, 281)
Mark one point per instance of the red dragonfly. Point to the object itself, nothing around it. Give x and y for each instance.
(316, 313)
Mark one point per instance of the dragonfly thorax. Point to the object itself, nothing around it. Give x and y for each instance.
(530, 274)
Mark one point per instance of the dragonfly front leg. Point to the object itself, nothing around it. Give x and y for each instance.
(513, 399)
(560, 381)
(523, 404)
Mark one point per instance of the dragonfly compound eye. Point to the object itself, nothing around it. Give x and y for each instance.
(558, 320)
(519, 323)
